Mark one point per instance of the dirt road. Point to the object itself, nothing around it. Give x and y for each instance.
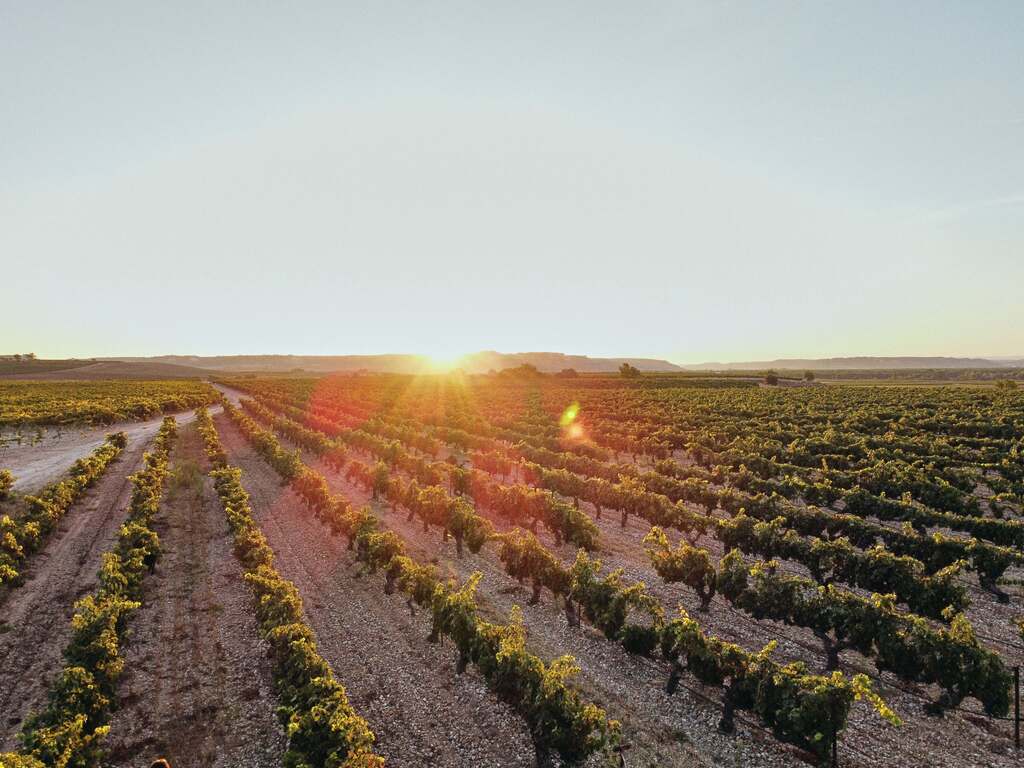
(38, 463)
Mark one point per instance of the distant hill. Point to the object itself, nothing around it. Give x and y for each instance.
(285, 363)
(184, 366)
(552, 362)
(9, 366)
(859, 364)
(477, 362)
(106, 369)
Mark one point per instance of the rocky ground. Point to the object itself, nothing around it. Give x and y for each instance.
(197, 685)
(422, 713)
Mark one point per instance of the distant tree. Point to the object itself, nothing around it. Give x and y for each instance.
(808, 375)
(628, 371)
(771, 379)
(567, 373)
(17, 358)
(30, 356)
(1007, 384)
(524, 371)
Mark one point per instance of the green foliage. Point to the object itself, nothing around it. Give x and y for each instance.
(96, 402)
(610, 604)
(904, 644)
(799, 707)
(323, 728)
(69, 730)
(20, 537)
(558, 718)
(687, 564)
(6, 484)
(14, 760)
(627, 371)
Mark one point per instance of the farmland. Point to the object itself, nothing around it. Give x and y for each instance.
(34, 403)
(509, 385)
(512, 570)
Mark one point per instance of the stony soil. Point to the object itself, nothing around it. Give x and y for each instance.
(422, 713)
(197, 685)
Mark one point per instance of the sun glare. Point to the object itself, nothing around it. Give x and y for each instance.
(442, 362)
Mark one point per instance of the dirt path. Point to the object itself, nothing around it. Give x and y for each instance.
(422, 713)
(35, 617)
(197, 687)
(36, 464)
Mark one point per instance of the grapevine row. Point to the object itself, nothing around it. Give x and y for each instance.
(521, 503)
(908, 646)
(54, 403)
(21, 537)
(322, 726)
(876, 569)
(68, 732)
(558, 718)
(608, 602)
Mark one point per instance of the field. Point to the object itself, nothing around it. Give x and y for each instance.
(507, 570)
(34, 403)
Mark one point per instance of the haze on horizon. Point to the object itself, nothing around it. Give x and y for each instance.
(689, 181)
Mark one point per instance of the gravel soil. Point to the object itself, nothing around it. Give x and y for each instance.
(35, 617)
(197, 685)
(422, 713)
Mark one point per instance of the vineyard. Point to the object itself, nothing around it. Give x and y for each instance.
(448, 570)
(39, 403)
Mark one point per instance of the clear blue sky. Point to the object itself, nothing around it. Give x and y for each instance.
(695, 181)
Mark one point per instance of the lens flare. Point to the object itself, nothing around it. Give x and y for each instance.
(569, 415)
(571, 428)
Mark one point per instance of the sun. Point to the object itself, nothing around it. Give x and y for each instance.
(442, 361)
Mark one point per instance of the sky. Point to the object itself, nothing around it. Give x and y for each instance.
(693, 181)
